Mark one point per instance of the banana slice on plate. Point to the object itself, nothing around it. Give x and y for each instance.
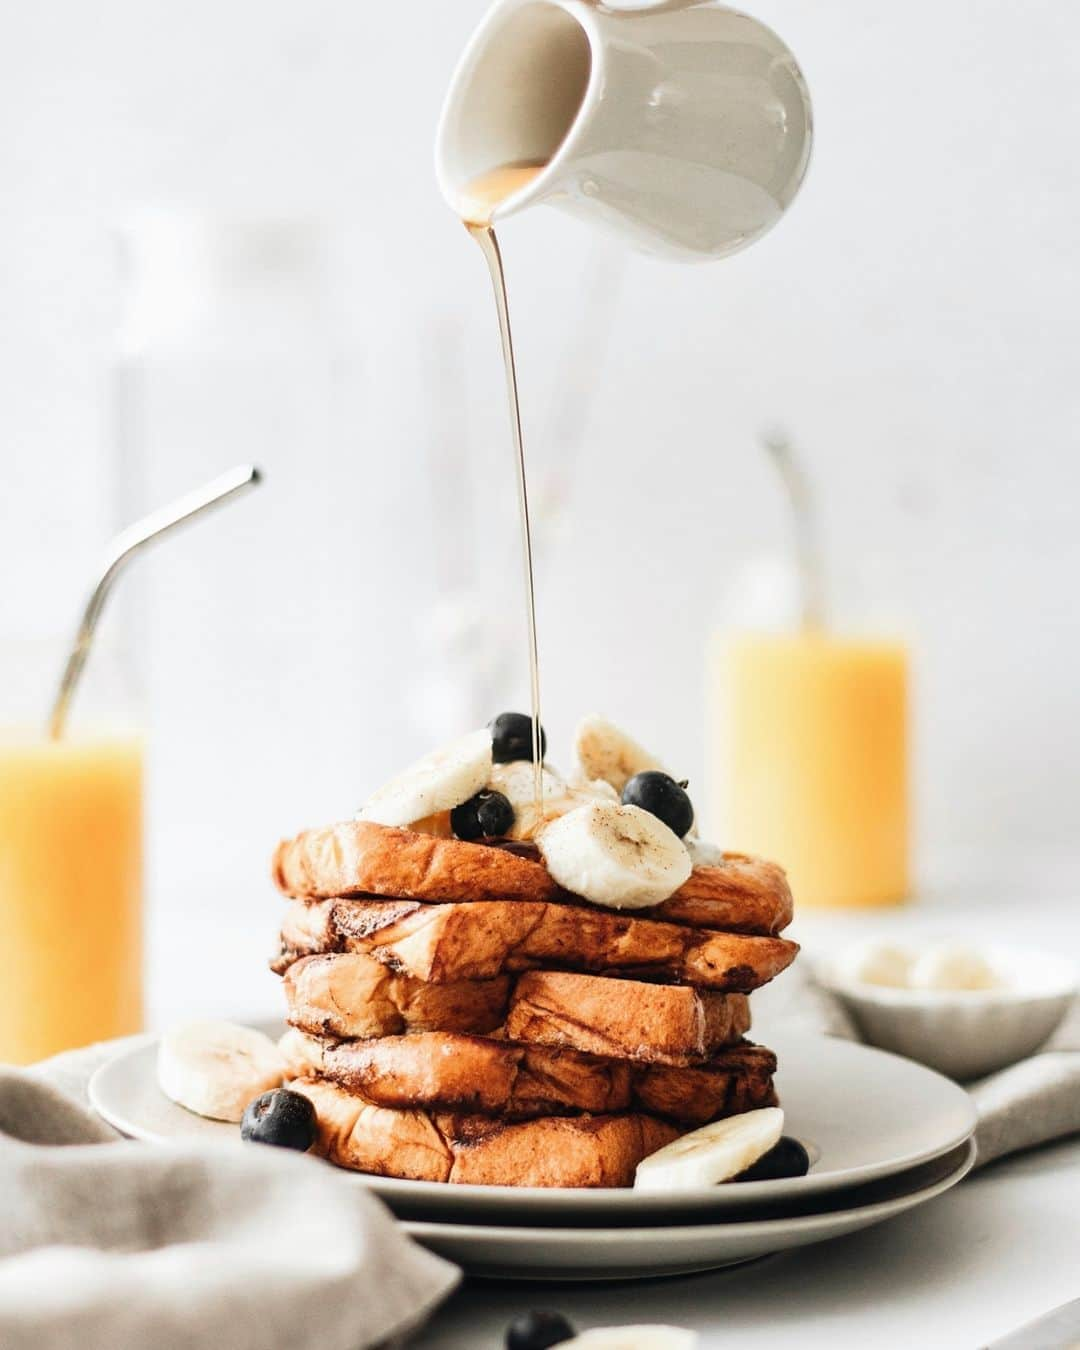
(715, 1153)
(604, 751)
(438, 782)
(619, 856)
(216, 1068)
(652, 1337)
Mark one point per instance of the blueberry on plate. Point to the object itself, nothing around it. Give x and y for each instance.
(538, 1330)
(786, 1158)
(512, 738)
(283, 1118)
(488, 815)
(660, 795)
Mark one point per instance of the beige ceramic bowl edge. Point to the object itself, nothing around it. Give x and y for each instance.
(965, 1034)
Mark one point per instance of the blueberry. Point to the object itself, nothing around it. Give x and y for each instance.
(660, 795)
(488, 815)
(283, 1118)
(787, 1158)
(511, 738)
(538, 1330)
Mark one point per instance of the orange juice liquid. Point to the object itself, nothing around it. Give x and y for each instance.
(813, 747)
(70, 892)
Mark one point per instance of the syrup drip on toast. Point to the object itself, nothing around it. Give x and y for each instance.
(479, 200)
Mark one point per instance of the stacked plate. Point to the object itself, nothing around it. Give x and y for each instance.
(884, 1135)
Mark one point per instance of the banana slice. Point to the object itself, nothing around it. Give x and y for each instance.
(604, 751)
(438, 782)
(652, 1337)
(715, 1153)
(952, 965)
(875, 962)
(216, 1068)
(619, 856)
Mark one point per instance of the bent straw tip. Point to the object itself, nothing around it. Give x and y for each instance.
(246, 475)
(124, 546)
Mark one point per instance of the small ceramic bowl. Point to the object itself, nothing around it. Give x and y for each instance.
(963, 1033)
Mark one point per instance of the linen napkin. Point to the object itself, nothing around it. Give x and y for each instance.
(1020, 1107)
(112, 1243)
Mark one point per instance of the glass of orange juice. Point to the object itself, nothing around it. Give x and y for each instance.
(70, 867)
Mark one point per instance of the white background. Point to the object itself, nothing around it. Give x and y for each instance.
(913, 322)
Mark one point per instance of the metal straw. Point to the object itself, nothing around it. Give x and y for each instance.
(124, 547)
(807, 547)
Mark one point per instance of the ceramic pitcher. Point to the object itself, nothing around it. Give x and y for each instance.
(684, 127)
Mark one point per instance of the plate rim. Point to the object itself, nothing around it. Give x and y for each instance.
(585, 1199)
(749, 1228)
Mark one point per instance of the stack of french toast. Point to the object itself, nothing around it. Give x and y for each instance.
(491, 984)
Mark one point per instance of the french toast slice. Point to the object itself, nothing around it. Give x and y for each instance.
(625, 1019)
(447, 1071)
(736, 1080)
(580, 1151)
(351, 995)
(451, 1072)
(477, 941)
(356, 857)
(740, 895)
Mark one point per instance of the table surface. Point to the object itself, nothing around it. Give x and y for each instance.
(995, 1252)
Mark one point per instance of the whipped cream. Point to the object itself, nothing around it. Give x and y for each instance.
(515, 782)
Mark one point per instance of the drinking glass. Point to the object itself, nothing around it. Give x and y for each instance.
(70, 859)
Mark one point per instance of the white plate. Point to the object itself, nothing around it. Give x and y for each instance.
(635, 1253)
(863, 1115)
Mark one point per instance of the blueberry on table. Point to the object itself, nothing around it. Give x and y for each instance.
(512, 738)
(488, 815)
(660, 795)
(538, 1330)
(283, 1118)
(787, 1158)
